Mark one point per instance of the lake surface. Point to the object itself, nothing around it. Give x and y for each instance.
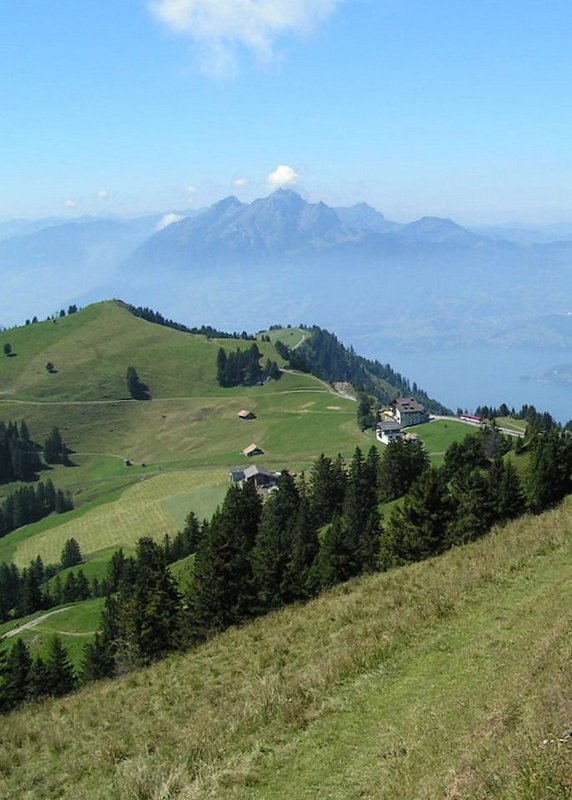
(466, 378)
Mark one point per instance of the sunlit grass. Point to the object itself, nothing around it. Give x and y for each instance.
(442, 679)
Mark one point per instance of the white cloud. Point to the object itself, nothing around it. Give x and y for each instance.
(167, 220)
(71, 203)
(191, 189)
(282, 176)
(103, 194)
(220, 26)
(238, 182)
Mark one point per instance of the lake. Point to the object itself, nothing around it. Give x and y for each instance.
(466, 378)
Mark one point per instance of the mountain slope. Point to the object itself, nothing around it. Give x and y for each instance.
(362, 215)
(445, 679)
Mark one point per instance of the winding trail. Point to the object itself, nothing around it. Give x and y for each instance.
(27, 626)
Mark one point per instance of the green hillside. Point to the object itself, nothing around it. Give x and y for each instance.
(181, 443)
(448, 678)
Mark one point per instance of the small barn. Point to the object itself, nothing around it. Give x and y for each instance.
(253, 450)
(261, 477)
(246, 414)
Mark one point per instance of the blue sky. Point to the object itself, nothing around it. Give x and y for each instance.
(457, 109)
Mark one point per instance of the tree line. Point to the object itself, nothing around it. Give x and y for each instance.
(30, 504)
(20, 457)
(323, 355)
(242, 367)
(204, 330)
(26, 591)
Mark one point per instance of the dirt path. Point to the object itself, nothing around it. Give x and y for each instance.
(32, 624)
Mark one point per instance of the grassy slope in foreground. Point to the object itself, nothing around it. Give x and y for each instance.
(438, 680)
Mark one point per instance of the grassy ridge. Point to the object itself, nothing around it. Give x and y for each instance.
(441, 679)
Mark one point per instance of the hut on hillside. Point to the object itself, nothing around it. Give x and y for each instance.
(253, 450)
(246, 414)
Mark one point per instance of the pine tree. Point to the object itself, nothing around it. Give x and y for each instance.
(301, 580)
(16, 675)
(97, 661)
(419, 527)
(39, 684)
(54, 448)
(327, 488)
(508, 491)
(60, 675)
(337, 557)
(273, 548)
(71, 554)
(548, 478)
(475, 511)
(223, 592)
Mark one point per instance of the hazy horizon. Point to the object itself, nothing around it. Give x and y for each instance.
(417, 109)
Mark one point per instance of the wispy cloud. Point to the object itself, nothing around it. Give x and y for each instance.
(220, 27)
(283, 176)
(103, 194)
(71, 203)
(238, 182)
(167, 220)
(191, 189)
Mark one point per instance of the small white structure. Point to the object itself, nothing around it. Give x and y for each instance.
(388, 431)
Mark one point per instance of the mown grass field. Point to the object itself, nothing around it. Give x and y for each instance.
(448, 678)
(140, 511)
(438, 435)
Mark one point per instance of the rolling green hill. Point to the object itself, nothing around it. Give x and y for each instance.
(448, 678)
(181, 443)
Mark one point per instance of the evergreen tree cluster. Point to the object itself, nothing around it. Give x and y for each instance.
(205, 330)
(55, 450)
(24, 592)
(25, 678)
(475, 489)
(537, 421)
(19, 455)
(31, 503)
(324, 356)
(242, 367)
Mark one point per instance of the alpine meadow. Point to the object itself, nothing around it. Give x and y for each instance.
(285, 400)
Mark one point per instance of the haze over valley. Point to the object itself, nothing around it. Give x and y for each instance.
(430, 295)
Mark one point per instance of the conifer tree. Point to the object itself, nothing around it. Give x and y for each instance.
(327, 488)
(223, 592)
(337, 559)
(71, 554)
(15, 683)
(302, 580)
(419, 527)
(60, 675)
(97, 660)
(508, 492)
(273, 548)
(39, 684)
(549, 474)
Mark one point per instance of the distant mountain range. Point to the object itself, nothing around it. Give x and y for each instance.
(428, 283)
